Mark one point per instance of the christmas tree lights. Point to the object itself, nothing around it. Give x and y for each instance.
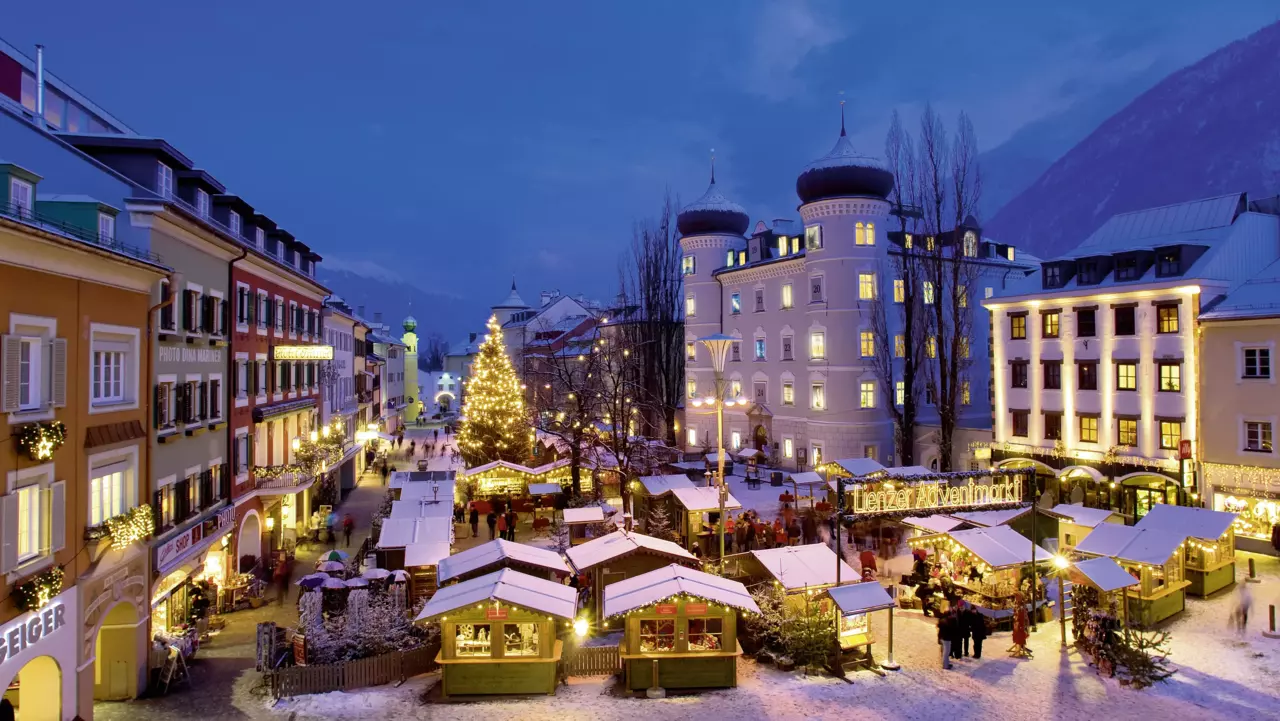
(494, 424)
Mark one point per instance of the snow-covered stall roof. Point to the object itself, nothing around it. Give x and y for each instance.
(704, 499)
(587, 514)
(509, 586)
(663, 583)
(403, 532)
(620, 543)
(807, 478)
(909, 471)
(860, 466)
(428, 553)
(987, 519)
(1130, 543)
(798, 567)
(1104, 574)
(937, 523)
(750, 453)
(999, 546)
(1083, 516)
(404, 479)
(544, 489)
(422, 507)
(517, 468)
(1186, 521)
(861, 597)
(500, 551)
(658, 485)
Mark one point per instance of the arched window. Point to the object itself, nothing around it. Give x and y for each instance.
(859, 234)
(871, 233)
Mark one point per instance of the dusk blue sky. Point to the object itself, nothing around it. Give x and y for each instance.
(456, 145)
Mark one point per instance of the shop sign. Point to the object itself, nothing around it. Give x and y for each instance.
(179, 546)
(29, 630)
(187, 354)
(302, 352)
(495, 614)
(666, 609)
(930, 495)
(695, 609)
(1184, 449)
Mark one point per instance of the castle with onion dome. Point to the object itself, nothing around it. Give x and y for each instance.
(801, 307)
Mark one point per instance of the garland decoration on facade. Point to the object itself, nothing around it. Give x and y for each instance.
(130, 526)
(40, 440)
(34, 594)
(310, 459)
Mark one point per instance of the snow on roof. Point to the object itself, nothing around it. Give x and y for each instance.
(1130, 543)
(798, 567)
(589, 514)
(999, 546)
(422, 507)
(704, 499)
(860, 466)
(658, 485)
(425, 554)
(807, 478)
(544, 489)
(988, 519)
(1186, 521)
(909, 471)
(1123, 229)
(861, 597)
(750, 453)
(403, 532)
(621, 543)
(1258, 297)
(545, 468)
(1104, 573)
(519, 589)
(1082, 516)
(663, 583)
(498, 551)
(936, 523)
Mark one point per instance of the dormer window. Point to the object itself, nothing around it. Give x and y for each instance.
(1087, 273)
(202, 203)
(971, 245)
(1127, 268)
(1169, 263)
(106, 227)
(1052, 276)
(783, 245)
(20, 197)
(259, 237)
(164, 181)
(233, 220)
(1009, 252)
(728, 262)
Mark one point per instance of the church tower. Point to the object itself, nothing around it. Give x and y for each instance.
(411, 388)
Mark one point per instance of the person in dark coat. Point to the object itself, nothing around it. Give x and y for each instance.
(750, 537)
(957, 631)
(926, 592)
(946, 628)
(475, 521)
(492, 520)
(977, 628)
(963, 632)
(512, 518)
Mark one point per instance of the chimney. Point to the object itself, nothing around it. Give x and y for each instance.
(782, 225)
(546, 298)
(40, 83)
(360, 311)
(473, 338)
(377, 318)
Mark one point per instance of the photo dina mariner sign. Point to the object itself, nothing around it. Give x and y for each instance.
(930, 495)
(302, 352)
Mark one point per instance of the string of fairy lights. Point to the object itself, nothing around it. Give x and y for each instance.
(494, 424)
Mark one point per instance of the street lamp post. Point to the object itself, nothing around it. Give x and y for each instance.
(718, 346)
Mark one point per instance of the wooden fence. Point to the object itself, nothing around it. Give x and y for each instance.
(592, 661)
(394, 666)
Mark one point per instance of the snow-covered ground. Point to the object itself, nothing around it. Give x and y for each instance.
(1220, 676)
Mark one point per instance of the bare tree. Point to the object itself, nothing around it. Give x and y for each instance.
(898, 322)
(625, 401)
(432, 351)
(563, 381)
(950, 192)
(651, 282)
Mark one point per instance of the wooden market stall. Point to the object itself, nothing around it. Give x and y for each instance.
(1027, 519)
(697, 519)
(799, 571)
(1107, 577)
(420, 484)
(651, 491)
(751, 459)
(679, 628)
(807, 486)
(984, 566)
(500, 480)
(415, 537)
(580, 520)
(1152, 556)
(498, 554)
(544, 497)
(498, 633)
(854, 603)
(622, 555)
(1209, 555)
(1076, 521)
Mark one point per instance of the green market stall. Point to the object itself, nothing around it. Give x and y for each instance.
(1154, 557)
(679, 627)
(1209, 555)
(622, 555)
(498, 633)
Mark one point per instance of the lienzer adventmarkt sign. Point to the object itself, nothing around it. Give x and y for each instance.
(909, 496)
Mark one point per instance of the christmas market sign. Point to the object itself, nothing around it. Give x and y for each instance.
(695, 609)
(495, 614)
(910, 497)
(666, 609)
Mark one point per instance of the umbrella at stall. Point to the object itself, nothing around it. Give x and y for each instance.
(330, 566)
(357, 582)
(378, 573)
(399, 576)
(313, 580)
(334, 556)
(333, 583)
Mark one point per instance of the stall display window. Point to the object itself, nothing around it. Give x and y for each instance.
(521, 639)
(854, 624)
(706, 634)
(1256, 516)
(657, 635)
(473, 640)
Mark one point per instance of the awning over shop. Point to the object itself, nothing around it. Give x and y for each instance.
(807, 566)
(704, 499)
(1102, 573)
(284, 408)
(862, 597)
(658, 485)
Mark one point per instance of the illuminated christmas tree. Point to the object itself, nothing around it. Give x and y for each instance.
(494, 424)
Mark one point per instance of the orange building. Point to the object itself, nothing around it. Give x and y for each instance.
(73, 520)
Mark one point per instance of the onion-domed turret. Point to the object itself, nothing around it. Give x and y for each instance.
(712, 213)
(410, 324)
(843, 173)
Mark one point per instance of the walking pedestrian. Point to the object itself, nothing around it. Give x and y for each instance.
(492, 520)
(435, 436)
(1244, 602)
(977, 628)
(412, 445)
(348, 525)
(331, 524)
(502, 527)
(282, 581)
(475, 520)
(963, 630)
(512, 519)
(386, 471)
(945, 623)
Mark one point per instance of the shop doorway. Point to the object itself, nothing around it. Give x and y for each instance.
(36, 692)
(1145, 491)
(761, 438)
(115, 666)
(249, 542)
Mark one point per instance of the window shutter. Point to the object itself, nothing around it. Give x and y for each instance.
(12, 350)
(181, 500)
(248, 448)
(224, 314)
(202, 395)
(224, 481)
(235, 456)
(58, 512)
(9, 531)
(157, 503)
(186, 310)
(251, 303)
(157, 405)
(235, 378)
(180, 402)
(206, 486)
(58, 372)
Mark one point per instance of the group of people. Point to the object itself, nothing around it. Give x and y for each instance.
(501, 521)
(749, 532)
(958, 626)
